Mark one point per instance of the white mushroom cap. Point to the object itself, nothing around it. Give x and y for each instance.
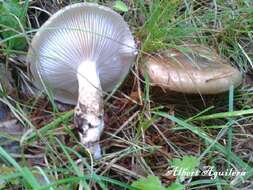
(73, 35)
(198, 71)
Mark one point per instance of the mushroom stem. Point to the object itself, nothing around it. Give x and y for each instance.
(89, 108)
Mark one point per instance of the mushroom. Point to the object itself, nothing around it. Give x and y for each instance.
(196, 70)
(79, 52)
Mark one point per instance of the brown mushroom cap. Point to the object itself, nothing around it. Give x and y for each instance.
(198, 71)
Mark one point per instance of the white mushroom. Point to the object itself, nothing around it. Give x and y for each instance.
(198, 70)
(80, 51)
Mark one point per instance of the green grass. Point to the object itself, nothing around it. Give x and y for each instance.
(147, 128)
